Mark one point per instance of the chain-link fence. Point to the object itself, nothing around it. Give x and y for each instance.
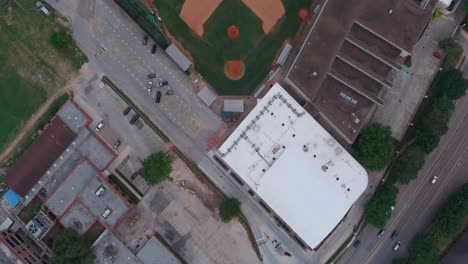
(142, 16)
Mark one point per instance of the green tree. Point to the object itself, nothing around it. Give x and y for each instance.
(465, 7)
(451, 84)
(437, 121)
(423, 251)
(229, 209)
(400, 261)
(378, 210)
(157, 168)
(427, 140)
(60, 40)
(443, 104)
(375, 147)
(408, 164)
(68, 248)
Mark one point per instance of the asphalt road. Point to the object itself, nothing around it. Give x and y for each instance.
(418, 201)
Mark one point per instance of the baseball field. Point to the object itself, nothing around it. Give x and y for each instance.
(233, 61)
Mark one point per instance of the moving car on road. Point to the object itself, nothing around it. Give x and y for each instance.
(434, 179)
(381, 233)
(394, 235)
(158, 97)
(99, 126)
(397, 246)
(356, 243)
(162, 83)
(153, 49)
(145, 40)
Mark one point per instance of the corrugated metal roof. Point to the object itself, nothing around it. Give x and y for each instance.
(207, 96)
(178, 57)
(236, 106)
(154, 252)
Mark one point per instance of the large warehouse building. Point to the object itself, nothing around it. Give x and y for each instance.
(295, 167)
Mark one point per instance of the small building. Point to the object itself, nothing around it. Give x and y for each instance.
(178, 57)
(207, 96)
(154, 252)
(233, 106)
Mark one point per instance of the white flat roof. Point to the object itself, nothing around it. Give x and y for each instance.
(295, 166)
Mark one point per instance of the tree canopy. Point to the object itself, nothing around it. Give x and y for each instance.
(229, 209)
(378, 210)
(375, 147)
(451, 84)
(71, 249)
(408, 164)
(156, 168)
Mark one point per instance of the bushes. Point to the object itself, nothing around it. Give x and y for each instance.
(375, 147)
(229, 209)
(448, 222)
(157, 168)
(60, 40)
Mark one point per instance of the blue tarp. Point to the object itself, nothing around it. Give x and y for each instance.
(12, 198)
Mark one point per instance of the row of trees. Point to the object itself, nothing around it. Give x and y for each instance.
(68, 248)
(375, 147)
(448, 222)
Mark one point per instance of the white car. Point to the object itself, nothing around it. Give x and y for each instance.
(397, 246)
(434, 179)
(99, 126)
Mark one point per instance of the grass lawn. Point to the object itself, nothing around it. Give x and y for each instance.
(30, 68)
(214, 48)
(30, 210)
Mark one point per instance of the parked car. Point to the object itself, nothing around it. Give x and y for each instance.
(394, 235)
(149, 86)
(134, 119)
(397, 246)
(162, 83)
(437, 55)
(151, 75)
(381, 233)
(145, 40)
(154, 48)
(434, 179)
(117, 143)
(356, 243)
(170, 92)
(99, 126)
(127, 110)
(158, 97)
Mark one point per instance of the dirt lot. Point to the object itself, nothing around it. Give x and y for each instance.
(196, 12)
(183, 212)
(269, 11)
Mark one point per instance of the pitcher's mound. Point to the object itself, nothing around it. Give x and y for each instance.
(233, 32)
(234, 69)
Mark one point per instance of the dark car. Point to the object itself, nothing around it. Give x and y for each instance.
(151, 75)
(153, 49)
(394, 235)
(158, 97)
(134, 119)
(127, 110)
(145, 40)
(117, 143)
(356, 243)
(170, 92)
(162, 83)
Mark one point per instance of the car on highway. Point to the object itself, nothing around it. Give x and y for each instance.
(145, 40)
(151, 75)
(381, 233)
(397, 246)
(127, 110)
(154, 48)
(99, 126)
(356, 243)
(434, 179)
(170, 92)
(134, 119)
(394, 235)
(162, 83)
(149, 86)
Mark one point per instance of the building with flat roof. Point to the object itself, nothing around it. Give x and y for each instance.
(294, 166)
(354, 57)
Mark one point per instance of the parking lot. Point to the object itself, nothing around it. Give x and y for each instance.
(184, 213)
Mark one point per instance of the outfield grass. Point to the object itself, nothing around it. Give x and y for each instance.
(253, 46)
(30, 68)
